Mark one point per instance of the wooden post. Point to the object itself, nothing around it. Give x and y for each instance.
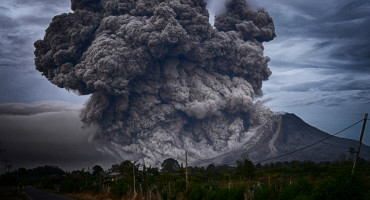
(87, 174)
(359, 144)
(186, 171)
(269, 180)
(133, 173)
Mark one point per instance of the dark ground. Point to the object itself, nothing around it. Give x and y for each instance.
(36, 194)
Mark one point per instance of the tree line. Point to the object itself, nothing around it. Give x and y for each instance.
(130, 180)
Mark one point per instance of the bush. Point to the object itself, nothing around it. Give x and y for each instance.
(120, 189)
(69, 186)
(211, 195)
(300, 190)
(236, 193)
(196, 193)
(340, 187)
(261, 193)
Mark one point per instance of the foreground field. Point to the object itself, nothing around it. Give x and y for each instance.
(127, 180)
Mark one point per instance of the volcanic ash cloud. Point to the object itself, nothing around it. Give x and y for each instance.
(161, 78)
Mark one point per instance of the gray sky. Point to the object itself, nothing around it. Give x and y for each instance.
(320, 63)
(48, 133)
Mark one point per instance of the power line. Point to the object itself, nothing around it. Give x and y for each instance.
(179, 156)
(303, 148)
(208, 160)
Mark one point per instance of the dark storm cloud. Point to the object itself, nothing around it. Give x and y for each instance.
(47, 133)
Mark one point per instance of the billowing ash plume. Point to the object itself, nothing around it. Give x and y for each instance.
(162, 78)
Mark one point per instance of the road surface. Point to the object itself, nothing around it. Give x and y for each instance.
(36, 194)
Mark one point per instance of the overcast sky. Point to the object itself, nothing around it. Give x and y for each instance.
(320, 62)
(48, 134)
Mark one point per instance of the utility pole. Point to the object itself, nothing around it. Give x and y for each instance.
(133, 173)
(359, 144)
(186, 171)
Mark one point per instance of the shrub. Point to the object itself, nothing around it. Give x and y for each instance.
(299, 190)
(196, 193)
(340, 187)
(261, 193)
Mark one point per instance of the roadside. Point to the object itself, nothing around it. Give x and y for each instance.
(88, 196)
(36, 194)
(12, 193)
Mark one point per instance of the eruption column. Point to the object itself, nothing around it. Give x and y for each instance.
(161, 78)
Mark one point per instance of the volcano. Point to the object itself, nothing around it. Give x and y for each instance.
(282, 140)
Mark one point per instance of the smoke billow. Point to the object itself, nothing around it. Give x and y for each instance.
(161, 78)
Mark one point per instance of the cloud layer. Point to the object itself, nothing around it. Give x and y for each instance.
(49, 133)
(21, 23)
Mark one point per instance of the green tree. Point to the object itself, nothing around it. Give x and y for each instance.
(97, 170)
(170, 165)
(126, 167)
(245, 168)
